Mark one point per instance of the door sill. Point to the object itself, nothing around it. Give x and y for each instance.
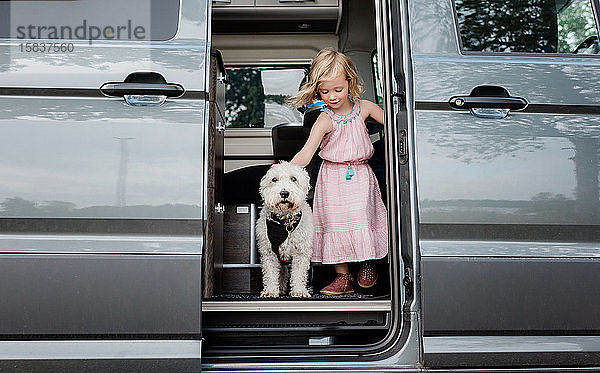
(305, 305)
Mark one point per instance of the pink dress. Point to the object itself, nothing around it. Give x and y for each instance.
(349, 216)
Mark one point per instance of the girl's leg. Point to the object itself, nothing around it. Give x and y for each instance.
(342, 268)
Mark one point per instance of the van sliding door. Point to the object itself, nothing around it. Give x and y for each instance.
(508, 135)
(102, 122)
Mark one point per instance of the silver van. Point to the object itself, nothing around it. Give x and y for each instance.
(133, 135)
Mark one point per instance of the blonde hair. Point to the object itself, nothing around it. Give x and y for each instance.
(327, 65)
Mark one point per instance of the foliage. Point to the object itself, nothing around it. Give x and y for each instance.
(508, 25)
(244, 98)
(534, 26)
(575, 24)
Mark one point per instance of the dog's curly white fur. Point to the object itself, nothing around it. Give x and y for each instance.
(284, 189)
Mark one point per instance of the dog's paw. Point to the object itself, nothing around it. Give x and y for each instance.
(304, 293)
(269, 294)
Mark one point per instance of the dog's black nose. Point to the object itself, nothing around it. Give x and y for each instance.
(284, 194)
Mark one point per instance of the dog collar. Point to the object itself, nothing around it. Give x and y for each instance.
(290, 222)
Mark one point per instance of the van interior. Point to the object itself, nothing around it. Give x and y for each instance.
(266, 47)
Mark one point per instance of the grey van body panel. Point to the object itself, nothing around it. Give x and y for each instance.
(524, 169)
(90, 349)
(101, 203)
(508, 208)
(80, 149)
(91, 294)
(180, 60)
(484, 296)
(540, 80)
(104, 62)
(101, 356)
(103, 365)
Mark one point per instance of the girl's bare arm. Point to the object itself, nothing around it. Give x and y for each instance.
(322, 126)
(373, 110)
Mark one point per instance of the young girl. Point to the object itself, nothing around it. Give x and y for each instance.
(349, 216)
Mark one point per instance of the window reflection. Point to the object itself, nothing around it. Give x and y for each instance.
(531, 26)
(89, 20)
(533, 169)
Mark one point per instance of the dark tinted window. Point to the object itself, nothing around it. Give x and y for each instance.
(255, 96)
(528, 26)
(89, 19)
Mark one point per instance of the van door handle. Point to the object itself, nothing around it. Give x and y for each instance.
(142, 84)
(488, 101)
(469, 102)
(120, 89)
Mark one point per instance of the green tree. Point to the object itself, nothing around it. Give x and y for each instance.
(508, 25)
(575, 25)
(244, 98)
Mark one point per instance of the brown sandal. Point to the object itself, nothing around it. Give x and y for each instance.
(367, 275)
(342, 284)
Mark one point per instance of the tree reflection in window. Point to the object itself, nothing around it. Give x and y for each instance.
(575, 25)
(529, 26)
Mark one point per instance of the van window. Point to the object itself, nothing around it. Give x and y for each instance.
(89, 19)
(255, 96)
(527, 26)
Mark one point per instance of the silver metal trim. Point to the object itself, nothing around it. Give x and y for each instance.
(407, 63)
(241, 265)
(339, 17)
(205, 155)
(99, 244)
(270, 62)
(248, 132)
(292, 13)
(253, 250)
(509, 249)
(385, 56)
(497, 344)
(122, 349)
(296, 305)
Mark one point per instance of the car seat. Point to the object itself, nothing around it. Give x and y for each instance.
(241, 186)
(288, 139)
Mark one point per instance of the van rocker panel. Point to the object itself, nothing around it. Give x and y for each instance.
(93, 294)
(484, 295)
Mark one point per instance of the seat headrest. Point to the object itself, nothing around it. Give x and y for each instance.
(288, 139)
(310, 116)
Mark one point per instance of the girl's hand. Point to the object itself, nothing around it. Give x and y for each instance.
(372, 110)
(322, 126)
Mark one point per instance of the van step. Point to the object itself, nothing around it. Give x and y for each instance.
(294, 321)
(316, 296)
(304, 305)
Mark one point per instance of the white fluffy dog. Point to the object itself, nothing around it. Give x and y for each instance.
(285, 230)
